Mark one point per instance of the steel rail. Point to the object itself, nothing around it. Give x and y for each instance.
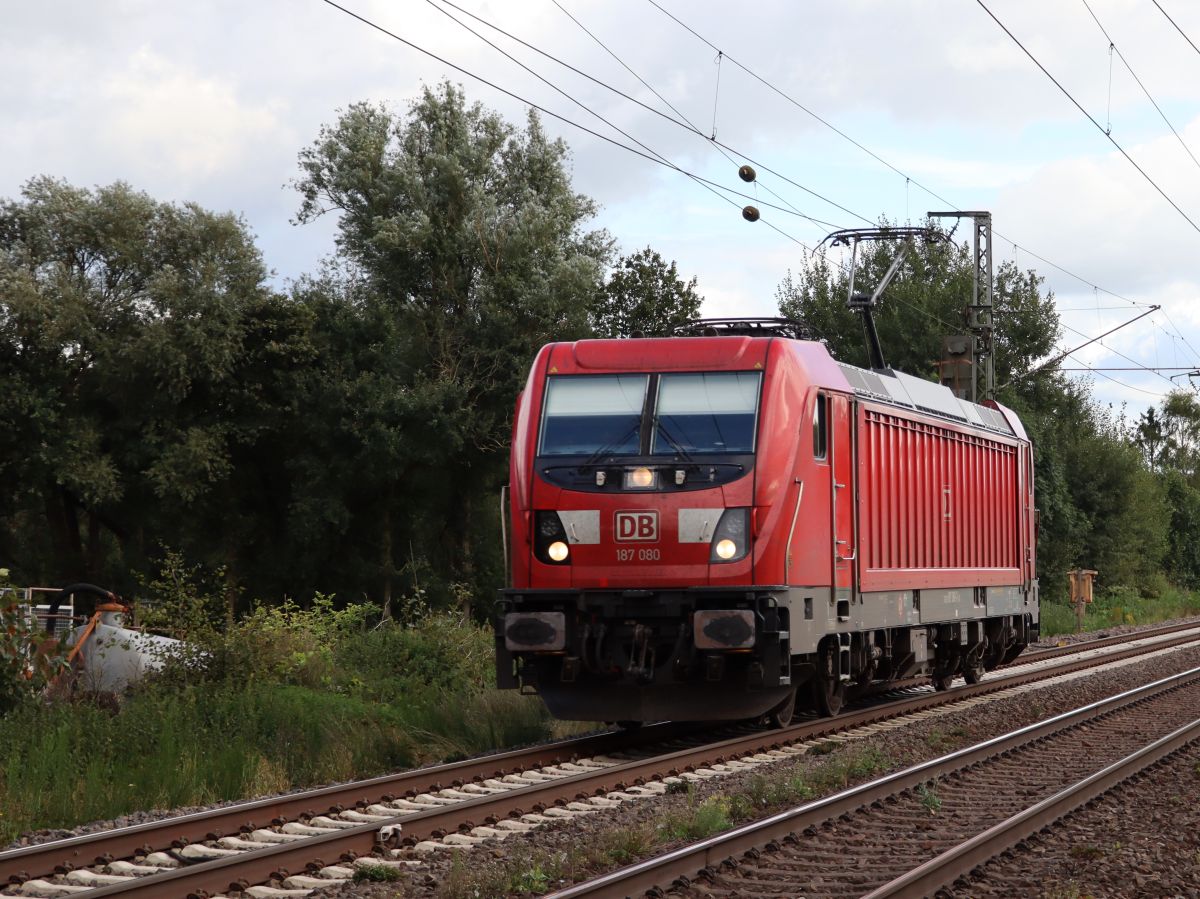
(944, 869)
(1099, 642)
(87, 849)
(708, 854)
(180, 829)
(260, 865)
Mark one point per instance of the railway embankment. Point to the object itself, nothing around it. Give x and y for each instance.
(286, 698)
(556, 856)
(684, 785)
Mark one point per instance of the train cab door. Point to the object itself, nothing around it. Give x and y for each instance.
(844, 551)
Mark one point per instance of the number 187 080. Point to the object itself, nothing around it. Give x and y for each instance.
(642, 555)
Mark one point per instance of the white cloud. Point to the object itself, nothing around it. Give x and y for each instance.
(174, 123)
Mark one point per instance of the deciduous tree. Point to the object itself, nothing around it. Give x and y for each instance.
(644, 295)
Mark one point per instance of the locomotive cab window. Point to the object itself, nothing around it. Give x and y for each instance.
(821, 427)
(706, 412)
(593, 413)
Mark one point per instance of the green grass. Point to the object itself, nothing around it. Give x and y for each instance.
(1117, 607)
(698, 820)
(277, 708)
(375, 874)
(930, 800)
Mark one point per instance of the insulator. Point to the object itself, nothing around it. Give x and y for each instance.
(747, 173)
(750, 213)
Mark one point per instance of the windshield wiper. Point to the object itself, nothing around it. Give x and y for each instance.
(680, 451)
(611, 445)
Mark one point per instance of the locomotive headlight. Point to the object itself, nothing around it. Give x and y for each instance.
(731, 539)
(550, 539)
(639, 478)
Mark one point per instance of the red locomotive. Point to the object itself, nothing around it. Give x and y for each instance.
(708, 527)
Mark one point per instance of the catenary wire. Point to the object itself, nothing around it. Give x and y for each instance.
(1145, 91)
(573, 99)
(1115, 352)
(687, 126)
(1089, 117)
(710, 185)
(908, 178)
(557, 116)
(712, 142)
(1177, 28)
(1186, 342)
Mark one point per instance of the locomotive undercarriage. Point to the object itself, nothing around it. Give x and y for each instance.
(642, 655)
(728, 654)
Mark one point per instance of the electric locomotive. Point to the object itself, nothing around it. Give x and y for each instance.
(717, 527)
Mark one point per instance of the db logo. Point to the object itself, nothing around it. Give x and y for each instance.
(637, 527)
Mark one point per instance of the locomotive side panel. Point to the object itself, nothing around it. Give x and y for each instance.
(939, 507)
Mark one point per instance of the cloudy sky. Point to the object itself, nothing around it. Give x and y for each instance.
(211, 102)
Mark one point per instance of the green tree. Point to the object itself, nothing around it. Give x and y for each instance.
(644, 295)
(462, 248)
(129, 331)
(925, 303)
(1150, 436)
(1181, 423)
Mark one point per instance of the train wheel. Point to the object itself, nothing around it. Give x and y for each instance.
(942, 679)
(828, 690)
(781, 715)
(973, 666)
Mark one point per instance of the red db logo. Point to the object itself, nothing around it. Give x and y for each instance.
(637, 527)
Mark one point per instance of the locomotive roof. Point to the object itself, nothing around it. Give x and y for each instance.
(896, 388)
(899, 389)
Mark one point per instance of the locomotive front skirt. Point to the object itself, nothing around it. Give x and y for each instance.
(716, 528)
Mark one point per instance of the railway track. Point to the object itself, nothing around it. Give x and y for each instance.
(283, 840)
(916, 831)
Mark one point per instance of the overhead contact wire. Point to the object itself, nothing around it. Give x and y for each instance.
(1088, 116)
(1114, 48)
(1176, 24)
(928, 190)
(544, 110)
(685, 125)
(712, 143)
(574, 100)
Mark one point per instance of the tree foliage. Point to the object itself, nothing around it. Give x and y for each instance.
(136, 370)
(644, 295)
(463, 248)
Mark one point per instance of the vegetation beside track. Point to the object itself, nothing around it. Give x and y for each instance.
(284, 698)
(1120, 606)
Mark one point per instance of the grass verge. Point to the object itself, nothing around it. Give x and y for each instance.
(1117, 607)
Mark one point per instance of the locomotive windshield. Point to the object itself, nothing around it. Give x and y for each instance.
(592, 413)
(697, 413)
(711, 412)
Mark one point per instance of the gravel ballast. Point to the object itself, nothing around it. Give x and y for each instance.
(557, 855)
